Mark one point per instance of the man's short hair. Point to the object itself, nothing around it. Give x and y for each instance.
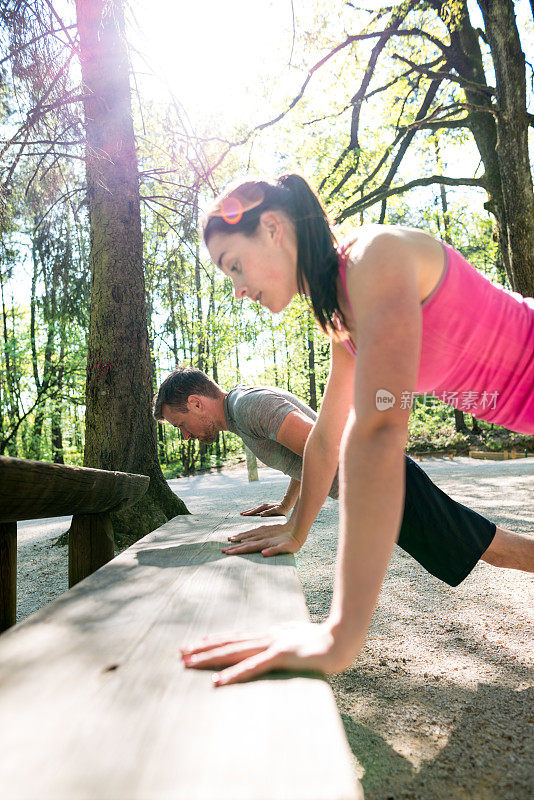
(179, 385)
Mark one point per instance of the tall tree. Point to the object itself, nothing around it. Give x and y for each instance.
(512, 139)
(427, 56)
(120, 430)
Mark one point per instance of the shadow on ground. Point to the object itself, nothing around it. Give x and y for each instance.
(481, 760)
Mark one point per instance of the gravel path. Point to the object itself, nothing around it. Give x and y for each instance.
(440, 703)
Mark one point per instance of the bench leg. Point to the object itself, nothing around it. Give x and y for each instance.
(90, 545)
(8, 574)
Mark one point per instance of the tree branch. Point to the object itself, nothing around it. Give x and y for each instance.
(425, 69)
(60, 22)
(403, 137)
(358, 99)
(382, 193)
(33, 41)
(65, 196)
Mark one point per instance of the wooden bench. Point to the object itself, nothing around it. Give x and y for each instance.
(35, 490)
(419, 455)
(500, 455)
(96, 704)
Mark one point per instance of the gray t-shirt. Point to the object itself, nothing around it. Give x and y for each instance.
(255, 414)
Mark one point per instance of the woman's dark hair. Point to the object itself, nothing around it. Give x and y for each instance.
(317, 255)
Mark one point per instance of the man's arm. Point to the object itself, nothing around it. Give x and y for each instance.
(277, 509)
(320, 464)
(292, 434)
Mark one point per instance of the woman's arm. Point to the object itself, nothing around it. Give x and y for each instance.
(321, 453)
(383, 289)
(382, 286)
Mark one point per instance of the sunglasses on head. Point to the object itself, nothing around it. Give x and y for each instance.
(237, 202)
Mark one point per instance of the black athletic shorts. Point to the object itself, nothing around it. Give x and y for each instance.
(444, 536)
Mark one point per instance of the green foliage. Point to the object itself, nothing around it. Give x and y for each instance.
(432, 427)
(184, 158)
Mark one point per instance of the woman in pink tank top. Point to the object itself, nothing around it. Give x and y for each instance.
(420, 319)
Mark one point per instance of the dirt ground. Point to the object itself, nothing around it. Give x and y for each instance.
(440, 703)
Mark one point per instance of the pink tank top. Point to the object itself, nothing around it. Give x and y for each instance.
(477, 349)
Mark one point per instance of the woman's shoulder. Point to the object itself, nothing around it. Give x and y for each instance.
(395, 239)
(364, 235)
(411, 250)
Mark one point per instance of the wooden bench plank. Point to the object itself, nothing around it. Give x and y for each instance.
(91, 545)
(95, 702)
(37, 489)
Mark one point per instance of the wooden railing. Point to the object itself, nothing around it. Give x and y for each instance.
(35, 489)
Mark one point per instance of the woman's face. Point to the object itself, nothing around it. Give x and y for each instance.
(262, 266)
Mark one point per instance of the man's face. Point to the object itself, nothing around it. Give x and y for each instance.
(193, 423)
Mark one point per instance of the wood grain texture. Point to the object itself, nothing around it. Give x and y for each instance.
(90, 545)
(95, 702)
(8, 574)
(36, 489)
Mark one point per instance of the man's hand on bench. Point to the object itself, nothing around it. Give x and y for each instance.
(270, 539)
(309, 647)
(266, 510)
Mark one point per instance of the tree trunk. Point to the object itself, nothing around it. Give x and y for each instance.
(198, 290)
(8, 442)
(459, 419)
(172, 312)
(311, 366)
(512, 141)
(34, 450)
(214, 370)
(252, 464)
(56, 435)
(288, 360)
(275, 363)
(465, 56)
(120, 430)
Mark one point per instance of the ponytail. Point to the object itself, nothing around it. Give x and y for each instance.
(317, 255)
(317, 258)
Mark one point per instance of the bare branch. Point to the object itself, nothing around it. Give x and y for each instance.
(32, 117)
(169, 225)
(426, 69)
(65, 196)
(359, 97)
(35, 142)
(404, 138)
(445, 123)
(294, 33)
(383, 36)
(380, 194)
(429, 97)
(33, 41)
(60, 22)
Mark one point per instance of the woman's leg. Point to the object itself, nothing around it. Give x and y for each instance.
(510, 550)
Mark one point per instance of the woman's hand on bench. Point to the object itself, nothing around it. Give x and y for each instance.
(297, 647)
(270, 539)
